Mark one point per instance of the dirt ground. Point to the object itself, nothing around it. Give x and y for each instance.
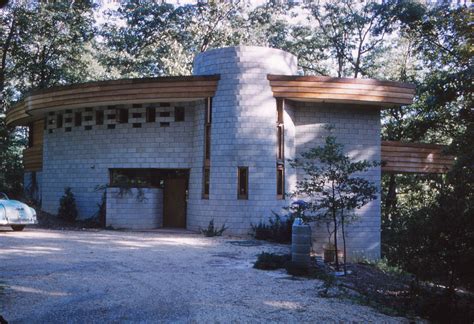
(92, 276)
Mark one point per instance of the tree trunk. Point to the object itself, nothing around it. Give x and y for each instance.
(357, 64)
(391, 199)
(344, 243)
(334, 218)
(5, 50)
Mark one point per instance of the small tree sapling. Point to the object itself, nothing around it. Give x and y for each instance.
(331, 190)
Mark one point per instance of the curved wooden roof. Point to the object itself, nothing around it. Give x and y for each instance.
(342, 90)
(124, 91)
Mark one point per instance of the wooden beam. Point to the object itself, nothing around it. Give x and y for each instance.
(399, 157)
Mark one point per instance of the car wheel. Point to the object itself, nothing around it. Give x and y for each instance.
(18, 228)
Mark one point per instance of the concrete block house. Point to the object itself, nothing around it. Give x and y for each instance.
(213, 145)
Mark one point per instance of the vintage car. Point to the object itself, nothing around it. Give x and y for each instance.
(15, 213)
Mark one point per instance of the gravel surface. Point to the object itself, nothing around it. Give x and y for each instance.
(52, 276)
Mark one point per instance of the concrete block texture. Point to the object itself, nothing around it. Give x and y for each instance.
(358, 129)
(81, 159)
(243, 134)
(127, 209)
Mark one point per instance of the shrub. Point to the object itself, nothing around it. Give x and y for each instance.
(296, 269)
(211, 231)
(102, 212)
(277, 230)
(67, 206)
(271, 261)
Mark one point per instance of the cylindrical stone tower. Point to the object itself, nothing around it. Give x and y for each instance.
(243, 135)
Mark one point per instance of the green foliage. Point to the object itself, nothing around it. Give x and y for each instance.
(352, 33)
(332, 190)
(11, 169)
(382, 265)
(162, 39)
(427, 221)
(67, 206)
(45, 44)
(126, 186)
(41, 45)
(212, 231)
(271, 261)
(278, 229)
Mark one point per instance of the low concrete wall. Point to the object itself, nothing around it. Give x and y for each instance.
(126, 211)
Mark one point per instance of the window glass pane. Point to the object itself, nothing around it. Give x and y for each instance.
(123, 116)
(99, 117)
(59, 121)
(209, 111)
(206, 182)
(77, 119)
(150, 115)
(208, 142)
(280, 182)
(280, 111)
(280, 143)
(243, 183)
(178, 114)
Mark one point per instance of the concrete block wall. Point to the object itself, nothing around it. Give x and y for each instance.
(127, 210)
(358, 129)
(243, 133)
(81, 159)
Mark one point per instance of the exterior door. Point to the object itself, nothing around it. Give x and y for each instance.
(174, 204)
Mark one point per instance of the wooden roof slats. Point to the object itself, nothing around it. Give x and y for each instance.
(343, 90)
(17, 115)
(162, 87)
(313, 78)
(125, 91)
(33, 158)
(399, 157)
(115, 98)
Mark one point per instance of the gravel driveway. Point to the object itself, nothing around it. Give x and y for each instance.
(112, 276)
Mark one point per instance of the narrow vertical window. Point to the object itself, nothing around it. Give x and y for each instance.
(178, 114)
(207, 132)
(208, 144)
(99, 117)
(122, 116)
(150, 114)
(243, 183)
(209, 110)
(77, 119)
(207, 148)
(280, 163)
(206, 175)
(281, 142)
(280, 182)
(59, 121)
(279, 111)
